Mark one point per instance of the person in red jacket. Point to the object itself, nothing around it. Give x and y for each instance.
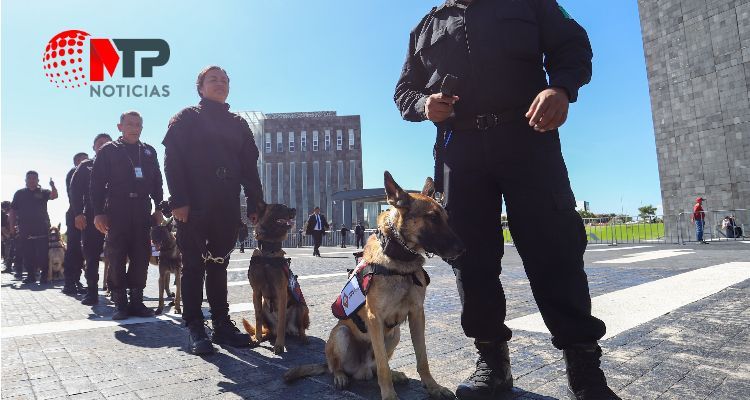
(699, 217)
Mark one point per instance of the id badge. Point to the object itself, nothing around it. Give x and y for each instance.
(138, 172)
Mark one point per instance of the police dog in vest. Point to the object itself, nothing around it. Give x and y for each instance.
(280, 307)
(56, 254)
(361, 345)
(169, 261)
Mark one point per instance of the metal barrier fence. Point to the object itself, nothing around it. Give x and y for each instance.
(330, 239)
(667, 229)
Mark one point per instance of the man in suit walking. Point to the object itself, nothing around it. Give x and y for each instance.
(317, 225)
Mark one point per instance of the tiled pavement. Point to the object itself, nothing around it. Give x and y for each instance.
(694, 352)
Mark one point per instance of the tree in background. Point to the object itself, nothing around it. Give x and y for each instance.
(647, 212)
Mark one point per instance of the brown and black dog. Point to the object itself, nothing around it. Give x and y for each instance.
(56, 254)
(361, 344)
(280, 307)
(169, 261)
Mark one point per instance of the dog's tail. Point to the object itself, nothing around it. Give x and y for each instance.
(304, 371)
(248, 328)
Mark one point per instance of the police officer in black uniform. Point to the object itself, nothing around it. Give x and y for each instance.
(83, 211)
(497, 136)
(73, 262)
(124, 180)
(209, 154)
(29, 211)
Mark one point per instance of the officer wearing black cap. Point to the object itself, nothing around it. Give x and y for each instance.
(73, 261)
(497, 137)
(124, 180)
(209, 155)
(83, 211)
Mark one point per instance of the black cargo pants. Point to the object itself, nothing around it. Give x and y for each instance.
(527, 169)
(128, 240)
(214, 232)
(93, 245)
(73, 261)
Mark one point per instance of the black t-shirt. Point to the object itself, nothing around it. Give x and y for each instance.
(31, 211)
(6, 222)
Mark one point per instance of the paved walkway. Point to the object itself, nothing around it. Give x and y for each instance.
(680, 319)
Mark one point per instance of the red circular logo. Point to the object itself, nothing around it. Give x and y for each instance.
(63, 59)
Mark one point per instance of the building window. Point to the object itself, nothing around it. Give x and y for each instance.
(279, 142)
(339, 140)
(291, 142)
(268, 184)
(280, 183)
(268, 142)
(328, 141)
(303, 141)
(315, 140)
(292, 186)
(352, 175)
(351, 139)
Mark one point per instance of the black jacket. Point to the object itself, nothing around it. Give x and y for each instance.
(312, 221)
(359, 230)
(113, 180)
(499, 50)
(209, 154)
(80, 196)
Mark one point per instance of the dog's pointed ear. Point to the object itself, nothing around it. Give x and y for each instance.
(59, 226)
(394, 194)
(260, 209)
(429, 187)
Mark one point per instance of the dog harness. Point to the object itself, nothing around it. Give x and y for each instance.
(354, 293)
(284, 263)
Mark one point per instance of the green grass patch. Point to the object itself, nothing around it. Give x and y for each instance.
(620, 232)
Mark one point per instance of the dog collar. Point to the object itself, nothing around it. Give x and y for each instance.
(269, 247)
(394, 245)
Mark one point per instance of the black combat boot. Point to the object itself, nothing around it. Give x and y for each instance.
(226, 332)
(199, 343)
(80, 289)
(69, 289)
(92, 296)
(492, 375)
(137, 308)
(8, 268)
(120, 298)
(586, 380)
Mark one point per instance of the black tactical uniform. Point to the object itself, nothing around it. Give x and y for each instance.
(73, 262)
(500, 51)
(93, 240)
(33, 230)
(124, 180)
(209, 154)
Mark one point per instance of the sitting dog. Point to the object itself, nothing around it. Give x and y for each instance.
(56, 254)
(280, 307)
(387, 288)
(169, 261)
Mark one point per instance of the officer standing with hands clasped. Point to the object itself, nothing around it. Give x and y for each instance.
(124, 180)
(83, 211)
(209, 155)
(497, 136)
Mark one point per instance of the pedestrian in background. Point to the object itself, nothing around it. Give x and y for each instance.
(699, 218)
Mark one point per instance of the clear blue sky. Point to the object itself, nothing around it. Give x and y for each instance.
(298, 55)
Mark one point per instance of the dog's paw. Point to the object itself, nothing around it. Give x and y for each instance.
(171, 303)
(178, 310)
(392, 396)
(398, 377)
(158, 311)
(440, 392)
(340, 380)
(278, 349)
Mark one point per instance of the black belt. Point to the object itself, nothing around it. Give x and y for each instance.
(483, 122)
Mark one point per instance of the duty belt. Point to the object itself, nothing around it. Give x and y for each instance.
(482, 122)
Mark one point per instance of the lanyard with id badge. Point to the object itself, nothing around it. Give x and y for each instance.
(137, 170)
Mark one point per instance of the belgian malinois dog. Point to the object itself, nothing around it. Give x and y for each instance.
(280, 307)
(169, 261)
(361, 344)
(56, 254)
